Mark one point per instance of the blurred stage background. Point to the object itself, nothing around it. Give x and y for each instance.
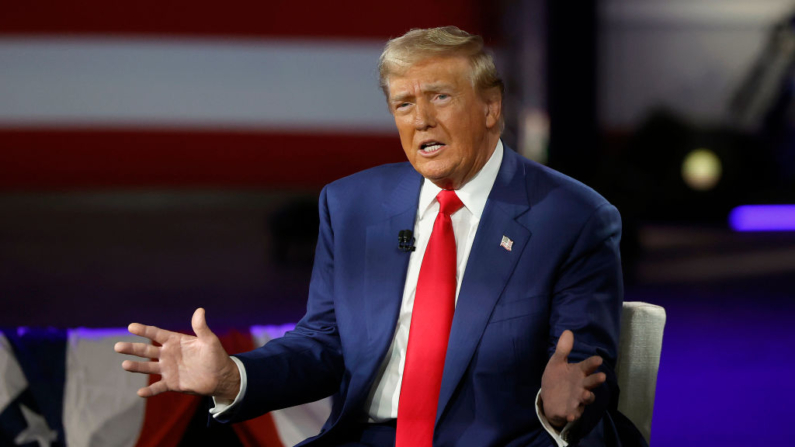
(158, 157)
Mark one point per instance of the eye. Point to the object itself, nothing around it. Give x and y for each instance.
(442, 96)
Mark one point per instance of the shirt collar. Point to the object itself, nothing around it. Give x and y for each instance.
(474, 193)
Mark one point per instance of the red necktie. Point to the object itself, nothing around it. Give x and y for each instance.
(431, 319)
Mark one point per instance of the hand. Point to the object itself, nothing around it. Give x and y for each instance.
(187, 364)
(566, 387)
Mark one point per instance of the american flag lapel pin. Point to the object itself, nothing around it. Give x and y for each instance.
(506, 243)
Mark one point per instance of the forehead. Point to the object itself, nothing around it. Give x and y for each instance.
(450, 71)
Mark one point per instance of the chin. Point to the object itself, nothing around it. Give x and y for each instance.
(434, 170)
(433, 176)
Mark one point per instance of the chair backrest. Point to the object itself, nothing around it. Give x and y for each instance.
(639, 349)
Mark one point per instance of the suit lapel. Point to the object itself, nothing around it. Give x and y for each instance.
(488, 270)
(386, 265)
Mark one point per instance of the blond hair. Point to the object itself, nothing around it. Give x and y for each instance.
(417, 45)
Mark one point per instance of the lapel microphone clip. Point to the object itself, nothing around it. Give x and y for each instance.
(406, 241)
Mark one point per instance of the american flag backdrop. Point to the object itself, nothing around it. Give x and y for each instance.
(64, 387)
(203, 94)
(162, 104)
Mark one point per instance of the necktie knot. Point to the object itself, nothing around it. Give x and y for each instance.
(449, 202)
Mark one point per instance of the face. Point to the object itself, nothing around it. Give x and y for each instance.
(448, 130)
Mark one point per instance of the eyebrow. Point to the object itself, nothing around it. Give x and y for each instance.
(437, 87)
(400, 97)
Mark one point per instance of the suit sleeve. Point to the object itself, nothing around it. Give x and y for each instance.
(306, 364)
(587, 300)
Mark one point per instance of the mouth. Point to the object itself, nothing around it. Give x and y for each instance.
(431, 147)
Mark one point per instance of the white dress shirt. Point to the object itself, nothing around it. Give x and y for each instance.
(382, 404)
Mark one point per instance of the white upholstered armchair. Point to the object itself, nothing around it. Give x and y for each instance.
(639, 350)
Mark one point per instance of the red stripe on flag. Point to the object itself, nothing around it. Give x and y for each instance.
(279, 18)
(168, 415)
(36, 160)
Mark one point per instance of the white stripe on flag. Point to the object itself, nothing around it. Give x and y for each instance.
(12, 379)
(101, 406)
(297, 423)
(139, 82)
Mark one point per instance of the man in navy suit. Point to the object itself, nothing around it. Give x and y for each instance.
(529, 352)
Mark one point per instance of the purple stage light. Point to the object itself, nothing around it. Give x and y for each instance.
(763, 218)
(99, 334)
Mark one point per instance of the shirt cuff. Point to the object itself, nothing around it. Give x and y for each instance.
(220, 408)
(561, 438)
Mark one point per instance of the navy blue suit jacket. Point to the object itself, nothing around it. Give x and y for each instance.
(563, 272)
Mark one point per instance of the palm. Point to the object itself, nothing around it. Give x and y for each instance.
(188, 364)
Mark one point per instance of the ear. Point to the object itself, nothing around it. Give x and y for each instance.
(493, 108)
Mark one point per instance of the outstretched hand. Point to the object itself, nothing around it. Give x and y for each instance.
(186, 364)
(566, 387)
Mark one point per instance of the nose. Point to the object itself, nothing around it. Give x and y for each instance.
(424, 116)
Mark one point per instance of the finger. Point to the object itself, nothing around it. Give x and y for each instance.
(141, 367)
(594, 380)
(199, 324)
(153, 389)
(589, 365)
(576, 414)
(588, 397)
(140, 349)
(565, 343)
(151, 332)
(571, 418)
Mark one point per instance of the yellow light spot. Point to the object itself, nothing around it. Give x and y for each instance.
(701, 169)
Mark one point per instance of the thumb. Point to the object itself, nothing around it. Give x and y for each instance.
(199, 324)
(565, 344)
